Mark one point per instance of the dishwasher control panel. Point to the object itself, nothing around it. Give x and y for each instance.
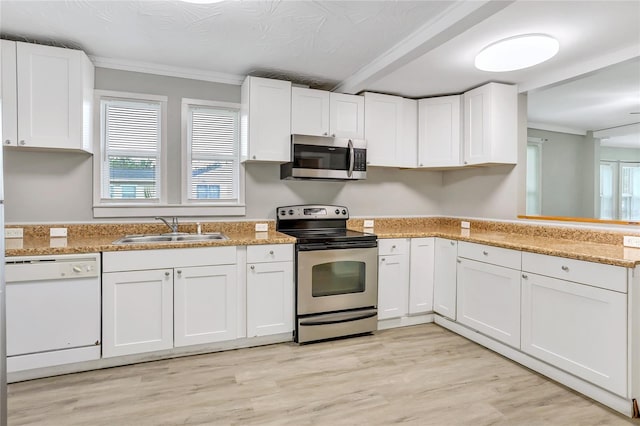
(51, 268)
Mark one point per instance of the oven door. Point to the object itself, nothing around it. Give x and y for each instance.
(337, 279)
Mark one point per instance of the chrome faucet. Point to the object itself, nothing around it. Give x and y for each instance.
(173, 225)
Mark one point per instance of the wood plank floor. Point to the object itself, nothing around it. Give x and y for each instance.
(421, 375)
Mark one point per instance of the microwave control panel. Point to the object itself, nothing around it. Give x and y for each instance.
(359, 160)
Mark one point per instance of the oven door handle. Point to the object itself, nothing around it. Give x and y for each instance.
(351, 159)
(339, 318)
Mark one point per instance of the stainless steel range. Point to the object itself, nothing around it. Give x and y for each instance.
(336, 272)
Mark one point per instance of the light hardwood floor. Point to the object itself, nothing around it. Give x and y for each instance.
(422, 375)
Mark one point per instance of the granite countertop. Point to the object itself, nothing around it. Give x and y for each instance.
(580, 244)
(610, 254)
(40, 245)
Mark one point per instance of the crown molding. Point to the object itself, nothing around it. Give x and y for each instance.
(556, 128)
(166, 70)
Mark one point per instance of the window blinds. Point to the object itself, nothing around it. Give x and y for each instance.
(131, 146)
(213, 141)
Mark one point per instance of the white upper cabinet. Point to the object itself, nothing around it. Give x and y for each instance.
(322, 113)
(440, 131)
(346, 116)
(309, 112)
(47, 97)
(265, 120)
(490, 125)
(390, 128)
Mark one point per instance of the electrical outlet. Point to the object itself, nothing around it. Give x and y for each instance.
(368, 223)
(58, 232)
(632, 241)
(13, 232)
(465, 225)
(262, 227)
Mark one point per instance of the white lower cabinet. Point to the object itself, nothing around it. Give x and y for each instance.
(270, 290)
(421, 275)
(578, 328)
(146, 307)
(489, 300)
(137, 312)
(444, 286)
(393, 278)
(205, 308)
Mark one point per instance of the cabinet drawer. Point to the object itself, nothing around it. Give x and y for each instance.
(137, 260)
(595, 274)
(270, 253)
(488, 254)
(393, 246)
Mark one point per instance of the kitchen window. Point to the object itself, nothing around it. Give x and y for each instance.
(620, 190)
(211, 146)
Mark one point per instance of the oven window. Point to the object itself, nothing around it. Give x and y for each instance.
(333, 278)
(320, 157)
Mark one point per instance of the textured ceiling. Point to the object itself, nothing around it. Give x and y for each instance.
(412, 48)
(313, 42)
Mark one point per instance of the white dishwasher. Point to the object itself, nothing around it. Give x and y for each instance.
(53, 310)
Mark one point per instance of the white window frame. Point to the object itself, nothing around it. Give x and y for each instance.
(223, 207)
(537, 144)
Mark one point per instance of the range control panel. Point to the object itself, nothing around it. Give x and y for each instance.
(309, 211)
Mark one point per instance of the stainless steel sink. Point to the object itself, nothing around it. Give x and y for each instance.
(168, 238)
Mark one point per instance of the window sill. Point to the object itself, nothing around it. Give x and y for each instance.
(123, 211)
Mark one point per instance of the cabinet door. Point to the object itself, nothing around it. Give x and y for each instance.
(439, 131)
(346, 118)
(577, 328)
(9, 93)
(309, 112)
(269, 298)
(383, 117)
(50, 96)
(408, 146)
(444, 282)
(421, 275)
(137, 312)
(205, 304)
(489, 300)
(393, 286)
(477, 125)
(266, 120)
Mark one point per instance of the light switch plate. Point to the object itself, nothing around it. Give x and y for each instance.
(13, 232)
(368, 223)
(465, 225)
(58, 232)
(632, 241)
(262, 227)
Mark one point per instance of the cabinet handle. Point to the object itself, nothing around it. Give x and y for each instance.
(22, 142)
(452, 243)
(465, 162)
(459, 260)
(325, 134)
(7, 142)
(179, 271)
(486, 253)
(393, 246)
(333, 135)
(271, 252)
(565, 268)
(254, 157)
(382, 260)
(253, 267)
(421, 164)
(525, 276)
(166, 274)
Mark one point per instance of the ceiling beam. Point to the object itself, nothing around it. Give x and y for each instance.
(455, 20)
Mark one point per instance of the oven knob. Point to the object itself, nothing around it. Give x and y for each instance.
(344, 211)
(337, 211)
(291, 212)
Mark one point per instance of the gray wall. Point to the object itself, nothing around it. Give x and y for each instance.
(621, 154)
(57, 186)
(563, 179)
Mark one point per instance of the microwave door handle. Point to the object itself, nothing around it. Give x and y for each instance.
(351, 159)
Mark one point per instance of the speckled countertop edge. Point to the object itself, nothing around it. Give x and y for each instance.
(589, 245)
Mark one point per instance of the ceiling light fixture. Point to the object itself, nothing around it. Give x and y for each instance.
(516, 53)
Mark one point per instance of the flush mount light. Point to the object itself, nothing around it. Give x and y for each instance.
(515, 53)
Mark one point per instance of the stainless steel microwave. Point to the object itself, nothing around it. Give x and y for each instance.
(327, 158)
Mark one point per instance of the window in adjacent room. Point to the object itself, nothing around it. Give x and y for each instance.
(212, 138)
(534, 178)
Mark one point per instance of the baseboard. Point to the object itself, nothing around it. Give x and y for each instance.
(615, 402)
(405, 321)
